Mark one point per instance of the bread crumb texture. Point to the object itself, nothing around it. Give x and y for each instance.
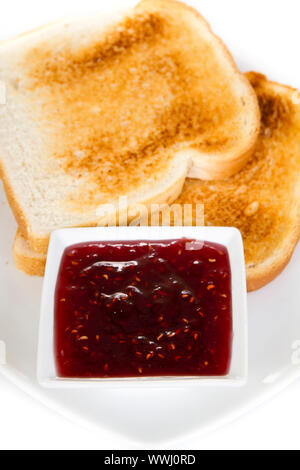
(263, 199)
(116, 109)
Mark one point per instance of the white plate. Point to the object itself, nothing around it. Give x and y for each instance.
(154, 416)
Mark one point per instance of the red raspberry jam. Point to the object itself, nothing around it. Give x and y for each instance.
(143, 309)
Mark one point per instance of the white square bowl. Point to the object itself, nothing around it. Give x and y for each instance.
(61, 239)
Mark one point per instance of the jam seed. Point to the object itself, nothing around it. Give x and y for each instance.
(85, 349)
(211, 286)
(97, 338)
(139, 354)
(172, 346)
(74, 332)
(140, 370)
(75, 263)
(212, 260)
(149, 356)
(83, 338)
(206, 363)
(196, 336)
(185, 320)
(161, 356)
(171, 334)
(192, 300)
(160, 337)
(224, 296)
(105, 276)
(63, 300)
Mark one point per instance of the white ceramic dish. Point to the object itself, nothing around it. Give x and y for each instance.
(61, 239)
(152, 417)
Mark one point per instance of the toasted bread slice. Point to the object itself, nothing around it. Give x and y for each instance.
(263, 200)
(97, 109)
(27, 260)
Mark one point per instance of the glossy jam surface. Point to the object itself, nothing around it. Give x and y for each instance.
(137, 309)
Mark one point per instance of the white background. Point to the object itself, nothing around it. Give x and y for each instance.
(263, 35)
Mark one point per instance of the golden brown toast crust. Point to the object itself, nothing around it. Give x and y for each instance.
(25, 259)
(13, 203)
(145, 83)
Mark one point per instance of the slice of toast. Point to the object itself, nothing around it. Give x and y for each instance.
(27, 260)
(97, 109)
(263, 200)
